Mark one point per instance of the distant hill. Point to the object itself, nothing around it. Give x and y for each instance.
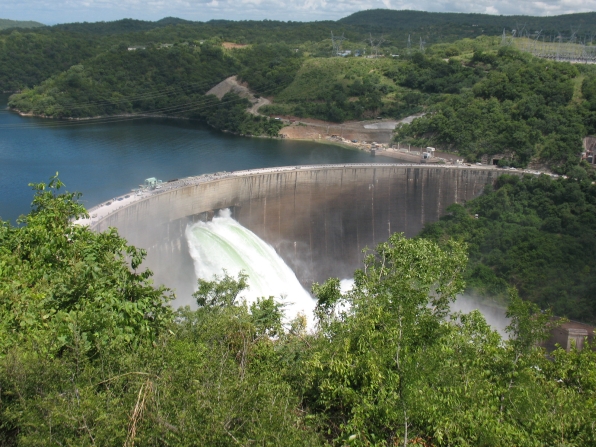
(392, 20)
(172, 29)
(123, 26)
(6, 23)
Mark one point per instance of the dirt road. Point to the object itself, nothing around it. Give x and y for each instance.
(231, 84)
(377, 131)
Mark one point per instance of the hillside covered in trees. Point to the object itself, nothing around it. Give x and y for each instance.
(536, 234)
(155, 81)
(394, 26)
(480, 98)
(443, 25)
(90, 353)
(517, 105)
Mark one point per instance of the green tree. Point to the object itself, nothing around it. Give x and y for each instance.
(366, 374)
(61, 284)
(220, 291)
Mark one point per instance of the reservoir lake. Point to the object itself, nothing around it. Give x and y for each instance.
(106, 159)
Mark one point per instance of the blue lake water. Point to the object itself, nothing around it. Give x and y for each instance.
(103, 160)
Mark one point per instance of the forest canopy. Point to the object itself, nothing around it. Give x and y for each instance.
(518, 105)
(535, 233)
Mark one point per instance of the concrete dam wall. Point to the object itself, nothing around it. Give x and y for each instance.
(318, 218)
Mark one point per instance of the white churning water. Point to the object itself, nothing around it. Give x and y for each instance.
(225, 244)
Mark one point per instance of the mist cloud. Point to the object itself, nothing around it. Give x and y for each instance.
(61, 11)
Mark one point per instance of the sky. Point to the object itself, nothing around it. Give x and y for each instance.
(63, 11)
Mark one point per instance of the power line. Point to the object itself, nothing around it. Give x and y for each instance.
(560, 48)
(202, 104)
(133, 98)
(375, 44)
(336, 42)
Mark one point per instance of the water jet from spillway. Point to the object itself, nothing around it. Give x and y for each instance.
(223, 243)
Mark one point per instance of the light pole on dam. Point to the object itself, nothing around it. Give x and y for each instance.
(318, 218)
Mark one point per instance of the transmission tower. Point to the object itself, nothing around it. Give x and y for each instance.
(336, 43)
(507, 40)
(571, 48)
(573, 37)
(409, 44)
(523, 29)
(537, 50)
(375, 44)
(422, 42)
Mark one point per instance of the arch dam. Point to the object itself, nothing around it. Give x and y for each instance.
(318, 218)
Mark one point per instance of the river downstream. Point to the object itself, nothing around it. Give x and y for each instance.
(104, 160)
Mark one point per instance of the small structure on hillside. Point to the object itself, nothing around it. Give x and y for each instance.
(493, 159)
(589, 153)
(569, 335)
(430, 153)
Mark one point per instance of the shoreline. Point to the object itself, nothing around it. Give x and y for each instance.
(145, 115)
(383, 150)
(124, 115)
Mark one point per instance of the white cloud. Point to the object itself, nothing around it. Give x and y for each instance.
(57, 11)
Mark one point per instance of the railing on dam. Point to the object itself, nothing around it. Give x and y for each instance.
(103, 210)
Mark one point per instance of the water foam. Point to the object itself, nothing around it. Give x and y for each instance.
(225, 244)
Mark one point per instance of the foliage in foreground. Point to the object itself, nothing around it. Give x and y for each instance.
(386, 365)
(64, 287)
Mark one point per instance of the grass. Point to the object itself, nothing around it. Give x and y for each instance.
(318, 75)
(577, 89)
(464, 49)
